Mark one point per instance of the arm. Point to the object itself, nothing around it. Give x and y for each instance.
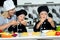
(2, 27)
(38, 25)
(36, 28)
(2, 23)
(51, 22)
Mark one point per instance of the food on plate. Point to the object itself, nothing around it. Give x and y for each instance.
(51, 33)
(36, 33)
(24, 34)
(58, 28)
(1, 31)
(14, 35)
(58, 33)
(6, 35)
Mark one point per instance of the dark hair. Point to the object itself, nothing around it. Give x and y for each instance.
(21, 12)
(42, 8)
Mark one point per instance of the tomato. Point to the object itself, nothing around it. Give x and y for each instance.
(1, 31)
(57, 33)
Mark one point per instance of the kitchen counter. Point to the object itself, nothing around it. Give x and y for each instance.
(32, 37)
(35, 37)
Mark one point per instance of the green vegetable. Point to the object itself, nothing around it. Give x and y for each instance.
(58, 28)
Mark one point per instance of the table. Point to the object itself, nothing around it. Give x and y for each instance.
(35, 37)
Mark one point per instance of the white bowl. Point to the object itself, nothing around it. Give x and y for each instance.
(44, 31)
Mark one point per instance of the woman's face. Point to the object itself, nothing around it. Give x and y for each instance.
(11, 12)
(21, 17)
(43, 14)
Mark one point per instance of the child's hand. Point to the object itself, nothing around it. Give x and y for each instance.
(23, 22)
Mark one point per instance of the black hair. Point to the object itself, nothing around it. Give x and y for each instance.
(43, 8)
(21, 12)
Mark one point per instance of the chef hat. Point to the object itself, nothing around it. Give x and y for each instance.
(42, 8)
(8, 5)
(22, 11)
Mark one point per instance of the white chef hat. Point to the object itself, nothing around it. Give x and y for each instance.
(8, 5)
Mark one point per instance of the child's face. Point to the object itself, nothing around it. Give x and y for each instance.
(43, 14)
(21, 17)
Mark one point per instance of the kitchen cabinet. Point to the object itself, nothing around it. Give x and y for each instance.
(36, 2)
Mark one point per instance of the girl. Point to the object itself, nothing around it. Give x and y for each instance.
(45, 22)
(21, 27)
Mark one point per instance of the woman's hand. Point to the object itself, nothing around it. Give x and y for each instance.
(13, 22)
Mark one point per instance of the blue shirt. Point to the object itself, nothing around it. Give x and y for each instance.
(6, 20)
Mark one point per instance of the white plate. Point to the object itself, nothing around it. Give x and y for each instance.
(44, 31)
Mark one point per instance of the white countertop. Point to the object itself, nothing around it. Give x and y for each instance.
(35, 37)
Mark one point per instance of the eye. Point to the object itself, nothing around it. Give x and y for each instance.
(45, 13)
(41, 13)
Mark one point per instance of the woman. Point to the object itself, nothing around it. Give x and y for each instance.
(8, 18)
(21, 27)
(45, 22)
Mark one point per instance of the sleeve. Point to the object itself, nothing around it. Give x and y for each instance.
(54, 28)
(55, 25)
(14, 17)
(34, 28)
(2, 20)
